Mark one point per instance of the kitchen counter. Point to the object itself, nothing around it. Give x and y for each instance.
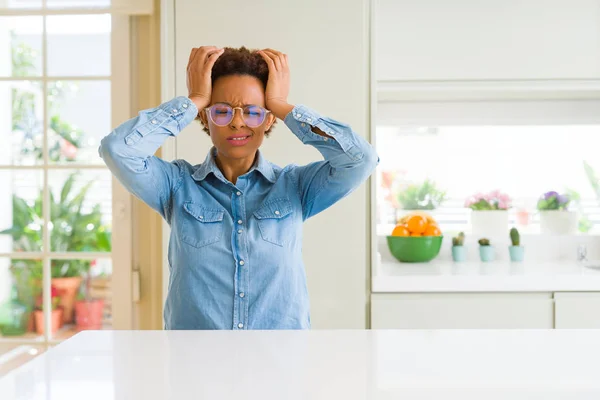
(499, 276)
(350, 365)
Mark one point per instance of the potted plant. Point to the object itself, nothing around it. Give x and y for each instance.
(70, 232)
(89, 311)
(489, 216)
(516, 251)
(421, 196)
(486, 250)
(459, 251)
(555, 217)
(56, 315)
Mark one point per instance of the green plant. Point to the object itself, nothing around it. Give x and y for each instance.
(553, 201)
(459, 240)
(484, 242)
(584, 224)
(424, 196)
(66, 138)
(515, 237)
(72, 229)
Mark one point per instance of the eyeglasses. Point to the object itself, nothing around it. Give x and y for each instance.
(221, 114)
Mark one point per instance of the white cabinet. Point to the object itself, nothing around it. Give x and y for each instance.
(486, 40)
(577, 310)
(462, 311)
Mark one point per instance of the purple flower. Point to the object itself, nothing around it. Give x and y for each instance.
(563, 199)
(549, 195)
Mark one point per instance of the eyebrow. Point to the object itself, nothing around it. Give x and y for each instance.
(230, 105)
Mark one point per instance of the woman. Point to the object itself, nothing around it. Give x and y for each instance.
(235, 251)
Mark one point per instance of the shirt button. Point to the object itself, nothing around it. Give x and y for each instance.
(240, 221)
(240, 325)
(242, 262)
(154, 122)
(242, 294)
(240, 230)
(298, 115)
(303, 124)
(325, 138)
(276, 212)
(174, 110)
(239, 193)
(185, 105)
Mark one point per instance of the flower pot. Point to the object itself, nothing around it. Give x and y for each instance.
(489, 223)
(67, 288)
(88, 314)
(56, 323)
(558, 222)
(487, 253)
(459, 253)
(517, 253)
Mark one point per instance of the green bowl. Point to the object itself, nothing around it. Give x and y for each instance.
(415, 248)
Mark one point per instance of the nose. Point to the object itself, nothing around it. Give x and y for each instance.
(238, 121)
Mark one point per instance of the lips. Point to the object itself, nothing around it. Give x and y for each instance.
(239, 140)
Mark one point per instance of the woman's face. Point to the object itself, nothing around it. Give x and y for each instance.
(237, 140)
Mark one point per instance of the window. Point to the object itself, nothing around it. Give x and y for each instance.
(60, 93)
(476, 150)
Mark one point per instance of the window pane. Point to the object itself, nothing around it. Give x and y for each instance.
(14, 355)
(81, 210)
(79, 117)
(21, 4)
(20, 297)
(78, 3)
(78, 45)
(21, 129)
(88, 305)
(21, 222)
(20, 46)
(521, 161)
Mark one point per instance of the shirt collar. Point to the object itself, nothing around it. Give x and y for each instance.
(209, 165)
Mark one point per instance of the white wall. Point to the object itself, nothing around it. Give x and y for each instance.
(327, 44)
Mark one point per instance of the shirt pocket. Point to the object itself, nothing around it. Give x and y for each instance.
(201, 225)
(275, 221)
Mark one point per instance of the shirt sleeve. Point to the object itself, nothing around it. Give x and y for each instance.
(348, 160)
(128, 151)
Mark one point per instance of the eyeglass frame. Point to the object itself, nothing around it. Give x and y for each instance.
(209, 116)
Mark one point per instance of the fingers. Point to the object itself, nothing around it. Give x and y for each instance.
(212, 58)
(268, 60)
(277, 58)
(200, 54)
(192, 54)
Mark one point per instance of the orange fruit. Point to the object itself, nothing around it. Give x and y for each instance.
(416, 224)
(432, 230)
(400, 230)
(416, 234)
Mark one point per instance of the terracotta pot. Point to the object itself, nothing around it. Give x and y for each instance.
(57, 316)
(67, 288)
(88, 314)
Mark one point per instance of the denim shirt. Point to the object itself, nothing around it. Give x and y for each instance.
(235, 251)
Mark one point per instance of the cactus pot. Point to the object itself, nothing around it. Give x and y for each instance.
(487, 253)
(459, 253)
(517, 253)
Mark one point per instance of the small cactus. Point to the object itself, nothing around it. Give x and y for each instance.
(484, 242)
(515, 237)
(458, 240)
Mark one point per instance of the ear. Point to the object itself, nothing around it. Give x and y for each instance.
(270, 121)
(203, 118)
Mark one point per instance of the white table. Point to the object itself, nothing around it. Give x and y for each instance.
(344, 365)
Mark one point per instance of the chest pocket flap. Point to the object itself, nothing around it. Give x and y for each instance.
(274, 209)
(204, 227)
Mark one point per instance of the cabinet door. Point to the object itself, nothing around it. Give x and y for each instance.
(577, 310)
(438, 40)
(462, 311)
